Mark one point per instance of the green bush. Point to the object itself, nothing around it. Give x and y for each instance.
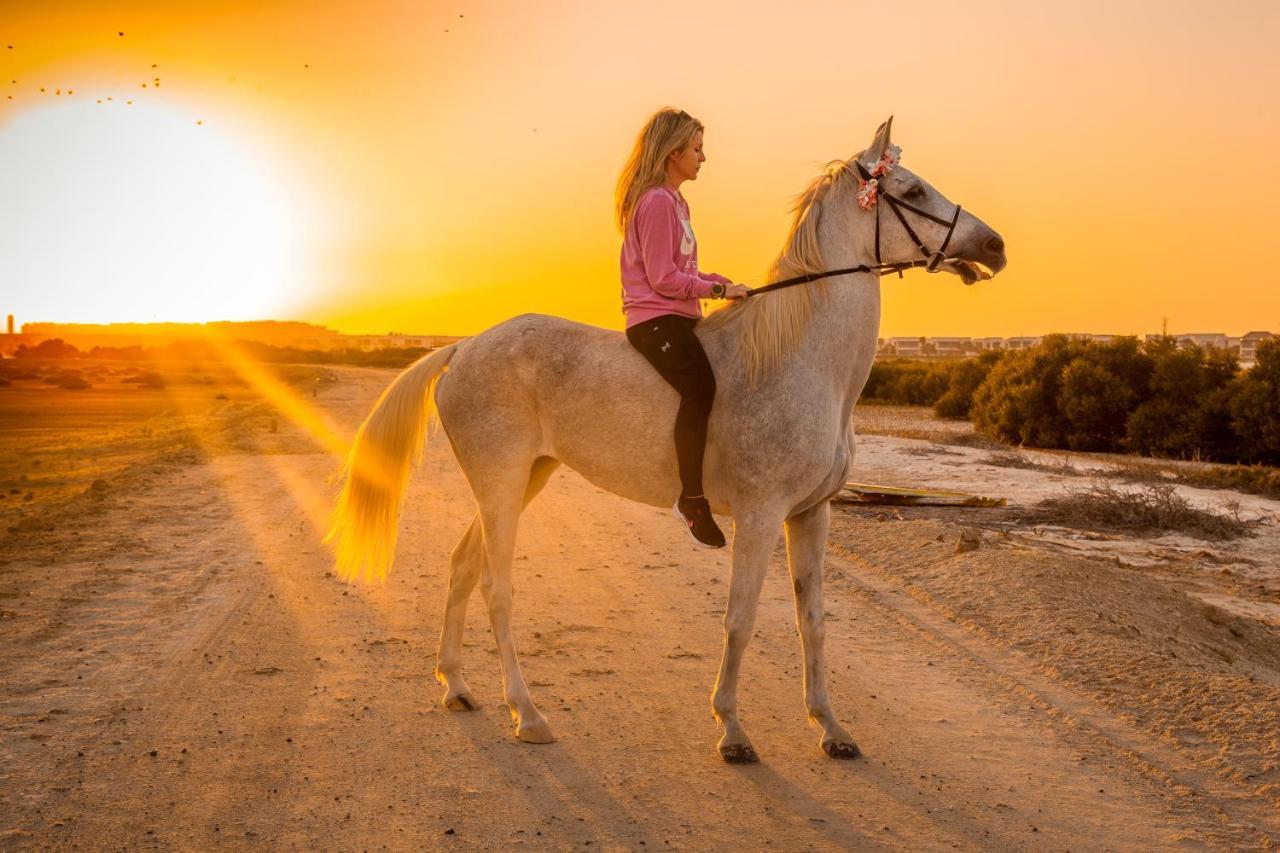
(1018, 401)
(1182, 414)
(1255, 408)
(966, 376)
(1158, 398)
(908, 383)
(1095, 402)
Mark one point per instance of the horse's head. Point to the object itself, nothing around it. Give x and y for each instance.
(915, 222)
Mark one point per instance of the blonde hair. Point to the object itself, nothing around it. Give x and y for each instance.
(666, 130)
(770, 328)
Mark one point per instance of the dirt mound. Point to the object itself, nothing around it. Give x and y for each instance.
(1188, 672)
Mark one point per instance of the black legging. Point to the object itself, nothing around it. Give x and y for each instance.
(670, 345)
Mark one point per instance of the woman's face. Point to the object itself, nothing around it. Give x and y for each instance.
(683, 165)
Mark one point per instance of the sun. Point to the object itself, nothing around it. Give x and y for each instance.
(143, 212)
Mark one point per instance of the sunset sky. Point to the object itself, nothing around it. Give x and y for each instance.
(439, 167)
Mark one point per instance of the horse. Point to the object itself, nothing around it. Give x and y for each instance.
(535, 392)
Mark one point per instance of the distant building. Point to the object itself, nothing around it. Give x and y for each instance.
(1249, 346)
(986, 344)
(395, 340)
(10, 332)
(1021, 343)
(1205, 340)
(905, 346)
(951, 347)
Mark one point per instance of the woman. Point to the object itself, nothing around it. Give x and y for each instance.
(661, 287)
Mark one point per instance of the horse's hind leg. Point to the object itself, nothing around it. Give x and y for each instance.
(465, 567)
(500, 499)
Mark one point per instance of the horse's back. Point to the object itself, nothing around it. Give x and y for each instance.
(547, 386)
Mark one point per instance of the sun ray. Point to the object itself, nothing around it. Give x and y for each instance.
(277, 393)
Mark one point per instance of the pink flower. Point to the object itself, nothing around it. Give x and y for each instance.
(891, 157)
(867, 193)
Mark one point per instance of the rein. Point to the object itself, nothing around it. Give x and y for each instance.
(883, 269)
(930, 261)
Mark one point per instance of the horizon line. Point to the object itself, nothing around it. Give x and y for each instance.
(5, 333)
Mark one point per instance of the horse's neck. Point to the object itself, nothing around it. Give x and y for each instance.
(845, 324)
(839, 340)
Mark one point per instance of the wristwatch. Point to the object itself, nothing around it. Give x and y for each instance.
(717, 290)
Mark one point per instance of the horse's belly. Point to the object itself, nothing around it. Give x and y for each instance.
(627, 450)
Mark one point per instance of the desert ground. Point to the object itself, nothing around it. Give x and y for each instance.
(180, 669)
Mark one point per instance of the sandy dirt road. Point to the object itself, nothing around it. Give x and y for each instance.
(180, 670)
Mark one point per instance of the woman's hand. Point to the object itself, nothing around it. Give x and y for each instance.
(735, 291)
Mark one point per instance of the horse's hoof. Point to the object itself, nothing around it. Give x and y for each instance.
(841, 749)
(459, 702)
(739, 753)
(535, 732)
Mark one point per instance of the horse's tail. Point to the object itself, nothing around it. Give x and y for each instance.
(366, 519)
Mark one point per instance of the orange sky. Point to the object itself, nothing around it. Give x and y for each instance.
(363, 168)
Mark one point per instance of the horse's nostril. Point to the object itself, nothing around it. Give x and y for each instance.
(994, 245)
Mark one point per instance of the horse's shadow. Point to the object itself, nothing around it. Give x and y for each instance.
(549, 771)
(558, 785)
(829, 824)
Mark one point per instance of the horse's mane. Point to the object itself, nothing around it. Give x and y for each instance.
(771, 328)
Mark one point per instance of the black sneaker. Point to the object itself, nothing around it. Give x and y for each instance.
(696, 516)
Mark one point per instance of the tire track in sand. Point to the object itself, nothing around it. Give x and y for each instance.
(1067, 710)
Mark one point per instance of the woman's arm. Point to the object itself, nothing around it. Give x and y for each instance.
(658, 228)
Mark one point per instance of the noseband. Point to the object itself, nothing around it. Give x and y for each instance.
(930, 262)
(932, 259)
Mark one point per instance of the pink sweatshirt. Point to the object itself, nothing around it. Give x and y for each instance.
(660, 260)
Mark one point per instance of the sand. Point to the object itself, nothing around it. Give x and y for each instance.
(182, 670)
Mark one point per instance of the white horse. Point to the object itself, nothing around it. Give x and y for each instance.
(533, 392)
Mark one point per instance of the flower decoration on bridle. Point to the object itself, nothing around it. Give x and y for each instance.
(869, 190)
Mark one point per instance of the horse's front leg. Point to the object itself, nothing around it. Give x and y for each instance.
(753, 541)
(806, 552)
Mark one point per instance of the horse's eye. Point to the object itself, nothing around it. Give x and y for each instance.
(916, 191)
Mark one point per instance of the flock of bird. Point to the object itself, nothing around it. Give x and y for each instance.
(153, 83)
(58, 91)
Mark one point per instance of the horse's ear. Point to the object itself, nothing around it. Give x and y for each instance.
(879, 144)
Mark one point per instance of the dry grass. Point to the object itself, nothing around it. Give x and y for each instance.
(1154, 508)
(1251, 479)
(1008, 459)
(917, 422)
(59, 437)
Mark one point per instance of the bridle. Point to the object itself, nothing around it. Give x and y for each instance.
(930, 261)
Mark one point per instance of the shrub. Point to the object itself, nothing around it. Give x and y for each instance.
(1018, 403)
(1156, 508)
(1095, 403)
(145, 379)
(966, 376)
(1157, 398)
(908, 383)
(1255, 408)
(52, 348)
(1184, 413)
